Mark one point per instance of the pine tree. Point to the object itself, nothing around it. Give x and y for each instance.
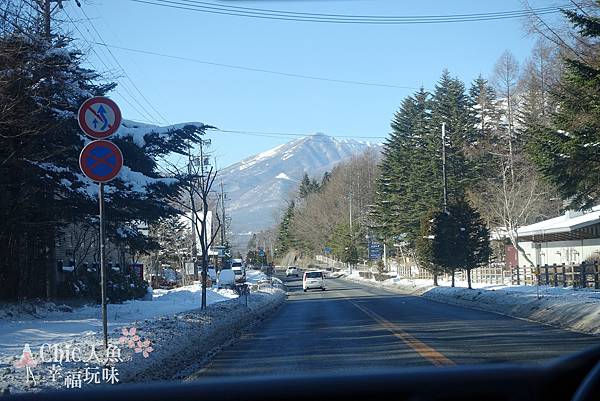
(305, 187)
(285, 241)
(566, 151)
(344, 243)
(473, 238)
(425, 247)
(453, 240)
(397, 188)
(42, 189)
(450, 105)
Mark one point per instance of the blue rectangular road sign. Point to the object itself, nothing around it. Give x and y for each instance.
(375, 250)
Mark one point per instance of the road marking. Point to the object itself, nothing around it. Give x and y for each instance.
(432, 355)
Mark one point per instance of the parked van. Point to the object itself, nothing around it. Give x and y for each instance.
(313, 279)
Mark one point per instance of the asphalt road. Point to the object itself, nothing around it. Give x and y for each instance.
(355, 327)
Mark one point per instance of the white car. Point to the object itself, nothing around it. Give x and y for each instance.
(313, 279)
(292, 271)
(240, 277)
(226, 279)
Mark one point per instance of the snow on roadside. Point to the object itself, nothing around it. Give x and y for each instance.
(174, 339)
(568, 308)
(257, 277)
(48, 324)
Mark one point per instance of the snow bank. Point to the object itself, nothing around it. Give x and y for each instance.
(178, 333)
(258, 279)
(567, 308)
(51, 324)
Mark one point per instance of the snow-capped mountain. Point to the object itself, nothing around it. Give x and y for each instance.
(259, 186)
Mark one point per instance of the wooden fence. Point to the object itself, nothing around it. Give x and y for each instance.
(583, 275)
(580, 275)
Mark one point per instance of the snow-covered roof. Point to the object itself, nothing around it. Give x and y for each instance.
(568, 222)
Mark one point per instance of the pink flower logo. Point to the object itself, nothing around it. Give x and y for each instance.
(26, 360)
(138, 344)
(144, 347)
(129, 337)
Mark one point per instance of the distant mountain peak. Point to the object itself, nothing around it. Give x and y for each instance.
(260, 185)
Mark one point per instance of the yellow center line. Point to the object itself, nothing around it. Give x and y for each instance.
(427, 352)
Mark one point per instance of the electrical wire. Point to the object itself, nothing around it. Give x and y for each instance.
(288, 134)
(349, 16)
(307, 17)
(105, 64)
(123, 69)
(245, 68)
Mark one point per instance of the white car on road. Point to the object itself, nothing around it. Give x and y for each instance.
(226, 278)
(239, 270)
(313, 279)
(292, 271)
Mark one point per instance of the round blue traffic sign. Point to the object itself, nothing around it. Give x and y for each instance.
(101, 160)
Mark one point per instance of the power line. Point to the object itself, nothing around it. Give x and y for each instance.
(218, 6)
(123, 69)
(101, 59)
(283, 16)
(288, 134)
(111, 30)
(245, 68)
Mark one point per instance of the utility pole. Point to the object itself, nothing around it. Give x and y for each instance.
(351, 233)
(444, 168)
(224, 224)
(47, 10)
(194, 213)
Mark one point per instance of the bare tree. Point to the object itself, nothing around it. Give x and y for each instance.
(539, 78)
(194, 202)
(506, 78)
(317, 217)
(514, 197)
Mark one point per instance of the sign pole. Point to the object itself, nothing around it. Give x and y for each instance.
(103, 265)
(100, 160)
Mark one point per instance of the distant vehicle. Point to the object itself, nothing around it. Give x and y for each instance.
(239, 270)
(292, 271)
(313, 279)
(239, 264)
(226, 278)
(240, 275)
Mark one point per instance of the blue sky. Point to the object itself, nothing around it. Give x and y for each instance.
(402, 55)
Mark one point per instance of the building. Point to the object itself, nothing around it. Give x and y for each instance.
(572, 238)
(78, 244)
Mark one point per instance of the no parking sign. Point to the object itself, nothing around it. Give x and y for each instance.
(101, 161)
